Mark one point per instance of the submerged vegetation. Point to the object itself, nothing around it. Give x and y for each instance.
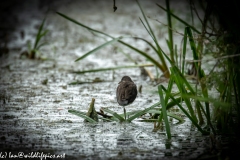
(209, 115)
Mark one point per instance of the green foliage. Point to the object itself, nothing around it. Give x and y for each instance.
(33, 50)
(82, 115)
(164, 111)
(162, 66)
(197, 100)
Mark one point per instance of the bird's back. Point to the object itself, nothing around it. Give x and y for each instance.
(126, 92)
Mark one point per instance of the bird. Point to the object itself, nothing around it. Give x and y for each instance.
(126, 92)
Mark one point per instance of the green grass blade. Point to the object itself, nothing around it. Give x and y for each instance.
(120, 118)
(38, 37)
(193, 46)
(112, 68)
(82, 115)
(106, 119)
(176, 55)
(151, 33)
(200, 74)
(211, 100)
(80, 24)
(164, 112)
(147, 43)
(186, 113)
(179, 80)
(43, 34)
(170, 85)
(169, 60)
(145, 18)
(180, 119)
(180, 20)
(146, 28)
(40, 45)
(145, 55)
(184, 50)
(174, 103)
(170, 35)
(131, 113)
(97, 48)
(142, 112)
(147, 120)
(183, 79)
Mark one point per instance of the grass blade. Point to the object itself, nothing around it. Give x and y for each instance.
(155, 62)
(186, 113)
(146, 29)
(179, 80)
(39, 46)
(112, 68)
(154, 48)
(97, 48)
(82, 115)
(151, 33)
(184, 49)
(120, 118)
(193, 46)
(180, 119)
(170, 35)
(180, 20)
(39, 34)
(142, 112)
(80, 24)
(164, 112)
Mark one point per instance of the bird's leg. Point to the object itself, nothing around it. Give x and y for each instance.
(124, 112)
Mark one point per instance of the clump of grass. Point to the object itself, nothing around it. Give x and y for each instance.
(45, 81)
(35, 49)
(196, 99)
(161, 65)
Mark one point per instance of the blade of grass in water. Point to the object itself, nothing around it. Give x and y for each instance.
(181, 120)
(112, 68)
(82, 115)
(142, 112)
(200, 75)
(186, 113)
(40, 34)
(205, 99)
(106, 119)
(164, 111)
(97, 48)
(120, 118)
(181, 86)
(155, 62)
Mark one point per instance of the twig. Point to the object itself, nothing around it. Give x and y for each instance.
(207, 60)
(114, 6)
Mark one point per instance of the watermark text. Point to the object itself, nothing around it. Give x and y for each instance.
(39, 155)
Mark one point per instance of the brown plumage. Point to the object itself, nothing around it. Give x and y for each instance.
(126, 92)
